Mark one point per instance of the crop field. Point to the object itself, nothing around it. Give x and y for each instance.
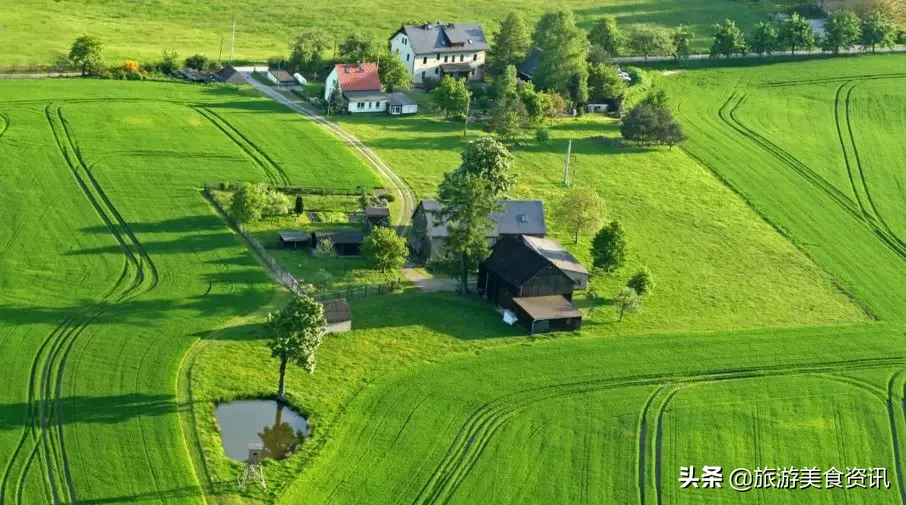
(114, 264)
(265, 29)
(774, 337)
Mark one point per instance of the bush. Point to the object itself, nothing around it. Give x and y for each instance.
(542, 135)
(636, 75)
(300, 205)
(429, 83)
(276, 204)
(196, 61)
(808, 9)
(248, 203)
(325, 248)
(648, 124)
(641, 282)
(168, 62)
(901, 35)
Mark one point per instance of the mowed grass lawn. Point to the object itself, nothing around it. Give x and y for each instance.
(114, 264)
(716, 263)
(36, 32)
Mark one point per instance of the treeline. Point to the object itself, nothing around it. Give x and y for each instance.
(843, 30)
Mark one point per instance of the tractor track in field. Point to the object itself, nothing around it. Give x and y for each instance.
(481, 426)
(4, 124)
(139, 276)
(272, 170)
(843, 201)
(857, 166)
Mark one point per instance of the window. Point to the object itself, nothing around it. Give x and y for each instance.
(423, 74)
(436, 70)
(475, 57)
(360, 105)
(462, 57)
(445, 58)
(438, 57)
(369, 105)
(425, 60)
(407, 57)
(472, 72)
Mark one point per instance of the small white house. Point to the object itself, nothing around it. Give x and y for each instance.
(300, 79)
(400, 104)
(360, 85)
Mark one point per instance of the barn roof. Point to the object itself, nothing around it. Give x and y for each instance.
(281, 75)
(400, 98)
(343, 237)
(525, 217)
(516, 259)
(528, 66)
(542, 308)
(358, 76)
(445, 37)
(294, 236)
(336, 311)
(556, 254)
(371, 211)
(231, 75)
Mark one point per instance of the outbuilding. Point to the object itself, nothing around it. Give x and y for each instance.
(377, 216)
(230, 75)
(294, 239)
(541, 314)
(338, 315)
(401, 104)
(345, 243)
(280, 77)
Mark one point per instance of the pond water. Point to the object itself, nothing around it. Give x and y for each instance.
(260, 422)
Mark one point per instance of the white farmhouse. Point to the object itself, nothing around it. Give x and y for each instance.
(435, 50)
(360, 84)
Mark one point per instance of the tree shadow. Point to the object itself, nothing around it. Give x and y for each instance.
(95, 410)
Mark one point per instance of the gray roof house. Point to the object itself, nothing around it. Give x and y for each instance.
(434, 50)
(516, 217)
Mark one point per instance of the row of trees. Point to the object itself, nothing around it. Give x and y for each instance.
(842, 31)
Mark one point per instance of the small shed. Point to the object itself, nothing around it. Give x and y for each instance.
(401, 104)
(280, 77)
(541, 314)
(345, 243)
(230, 75)
(377, 216)
(294, 239)
(300, 79)
(339, 318)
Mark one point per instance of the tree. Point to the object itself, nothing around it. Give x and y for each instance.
(648, 40)
(796, 33)
(248, 203)
(276, 203)
(468, 203)
(294, 334)
(537, 105)
(299, 206)
(385, 250)
(562, 65)
(642, 282)
(597, 54)
(196, 61)
(877, 31)
(680, 39)
(451, 96)
(558, 104)
(580, 210)
(650, 122)
(393, 73)
(325, 248)
(605, 83)
(512, 42)
(608, 249)
(86, 53)
(628, 302)
(168, 62)
(606, 35)
(842, 30)
(728, 40)
(336, 102)
(489, 160)
(507, 119)
(542, 135)
(763, 39)
(506, 84)
(306, 49)
(357, 48)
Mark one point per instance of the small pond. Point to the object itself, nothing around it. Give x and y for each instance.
(260, 422)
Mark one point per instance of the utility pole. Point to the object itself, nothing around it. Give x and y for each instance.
(465, 127)
(233, 41)
(569, 151)
(220, 54)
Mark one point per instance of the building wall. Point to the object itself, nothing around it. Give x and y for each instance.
(429, 64)
(333, 80)
(399, 45)
(549, 281)
(341, 327)
(271, 77)
(367, 106)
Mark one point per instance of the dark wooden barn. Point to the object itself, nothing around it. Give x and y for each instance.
(522, 279)
(377, 216)
(294, 239)
(345, 243)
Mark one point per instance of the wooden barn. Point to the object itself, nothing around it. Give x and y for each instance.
(345, 243)
(535, 279)
(294, 239)
(339, 318)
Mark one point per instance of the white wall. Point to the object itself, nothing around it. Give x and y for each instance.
(430, 63)
(271, 77)
(400, 46)
(366, 107)
(333, 80)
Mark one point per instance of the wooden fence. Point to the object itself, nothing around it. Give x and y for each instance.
(291, 190)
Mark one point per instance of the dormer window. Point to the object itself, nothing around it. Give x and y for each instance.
(522, 218)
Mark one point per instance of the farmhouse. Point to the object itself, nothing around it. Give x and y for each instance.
(338, 316)
(280, 77)
(534, 278)
(516, 217)
(360, 84)
(431, 51)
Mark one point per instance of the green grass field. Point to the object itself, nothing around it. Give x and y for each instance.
(128, 308)
(36, 32)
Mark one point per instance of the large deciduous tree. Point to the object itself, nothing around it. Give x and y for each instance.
(648, 40)
(385, 250)
(680, 40)
(306, 49)
(608, 249)
(358, 48)
(248, 203)
(606, 34)
(841, 31)
(512, 42)
(628, 302)
(294, 334)
(451, 96)
(394, 74)
(605, 83)
(562, 65)
(728, 40)
(580, 210)
(764, 39)
(797, 33)
(490, 160)
(86, 54)
(877, 31)
(468, 203)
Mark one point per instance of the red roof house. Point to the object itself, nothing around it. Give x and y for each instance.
(358, 76)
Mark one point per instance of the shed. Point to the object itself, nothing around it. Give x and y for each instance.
(345, 243)
(230, 75)
(294, 239)
(541, 314)
(280, 77)
(338, 316)
(377, 216)
(401, 104)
